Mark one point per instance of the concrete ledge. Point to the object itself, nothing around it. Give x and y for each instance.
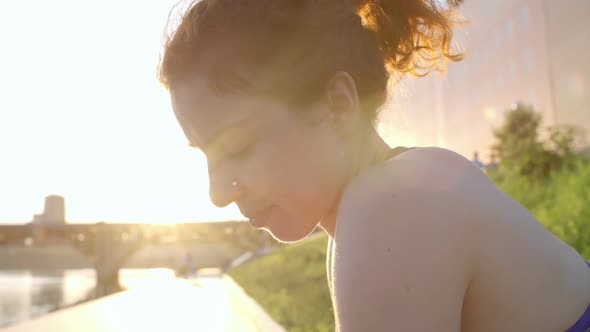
(210, 304)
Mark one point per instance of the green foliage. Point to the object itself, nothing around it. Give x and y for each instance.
(542, 171)
(561, 202)
(567, 210)
(520, 131)
(291, 285)
(562, 140)
(523, 151)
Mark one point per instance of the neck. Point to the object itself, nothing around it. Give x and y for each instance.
(366, 152)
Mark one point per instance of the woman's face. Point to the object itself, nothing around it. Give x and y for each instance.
(289, 172)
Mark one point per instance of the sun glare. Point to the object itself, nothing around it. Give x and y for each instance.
(82, 115)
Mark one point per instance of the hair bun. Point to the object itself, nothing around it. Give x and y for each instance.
(414, 36)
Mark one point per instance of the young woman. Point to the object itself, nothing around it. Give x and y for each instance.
(282, 97)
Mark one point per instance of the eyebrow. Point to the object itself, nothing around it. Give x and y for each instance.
(214, 139)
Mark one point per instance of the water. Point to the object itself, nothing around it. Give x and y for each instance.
(28, 294)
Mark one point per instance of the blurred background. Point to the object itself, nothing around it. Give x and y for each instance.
(99, 190)
(532, 52)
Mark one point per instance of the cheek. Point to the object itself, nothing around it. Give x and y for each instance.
(297, 170)
(284, 173)
(300, 180)
(282, 158)
(278, 173)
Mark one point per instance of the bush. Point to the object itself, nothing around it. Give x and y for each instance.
(291, 285)
(522, 150)
(561, 202)
(546, 175)
(566, 212)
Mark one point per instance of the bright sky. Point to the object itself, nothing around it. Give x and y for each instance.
(83, 116)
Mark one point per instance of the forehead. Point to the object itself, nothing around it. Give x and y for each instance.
(203, 113)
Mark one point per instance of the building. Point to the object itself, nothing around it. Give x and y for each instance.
(54, 212)
(568, 36)
(531, 51)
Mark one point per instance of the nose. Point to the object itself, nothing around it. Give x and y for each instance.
(223, 188)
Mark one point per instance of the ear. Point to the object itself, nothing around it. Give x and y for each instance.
(343, 102)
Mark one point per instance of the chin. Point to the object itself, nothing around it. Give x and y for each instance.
(290, 232)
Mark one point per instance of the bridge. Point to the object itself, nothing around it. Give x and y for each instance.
(109, 245)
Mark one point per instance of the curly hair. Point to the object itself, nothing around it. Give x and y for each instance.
(291, 48)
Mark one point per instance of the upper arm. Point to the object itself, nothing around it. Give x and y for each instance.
(404, 260)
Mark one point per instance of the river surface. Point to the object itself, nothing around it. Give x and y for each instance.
(28, 294)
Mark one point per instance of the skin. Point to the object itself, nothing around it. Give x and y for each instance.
(420, 242)
(445, 250)
(266, 145)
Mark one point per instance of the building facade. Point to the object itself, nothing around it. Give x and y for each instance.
(530, 51)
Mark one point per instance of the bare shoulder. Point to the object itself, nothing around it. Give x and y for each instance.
(441, 166)
(423, 232)
(414, 174)
(425, 191)
(405, 227)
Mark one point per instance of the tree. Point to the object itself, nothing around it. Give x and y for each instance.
(521, 150)
(564, 138)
